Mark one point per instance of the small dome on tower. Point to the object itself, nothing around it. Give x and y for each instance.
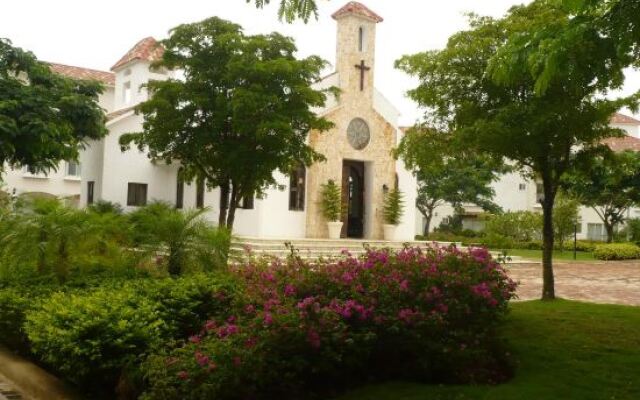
(355, 8)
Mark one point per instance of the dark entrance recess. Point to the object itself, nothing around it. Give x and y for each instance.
(353, 199)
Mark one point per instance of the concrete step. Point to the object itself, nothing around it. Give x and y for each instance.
(311, 249)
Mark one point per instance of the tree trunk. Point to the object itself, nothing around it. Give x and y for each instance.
(224, 201)
(232, 209)
(548, 285)
(609, 227)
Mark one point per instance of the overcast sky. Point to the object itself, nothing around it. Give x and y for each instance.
(96, 34)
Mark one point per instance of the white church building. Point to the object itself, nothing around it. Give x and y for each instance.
(357, 149)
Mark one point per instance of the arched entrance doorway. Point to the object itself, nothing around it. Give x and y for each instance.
(353, 184)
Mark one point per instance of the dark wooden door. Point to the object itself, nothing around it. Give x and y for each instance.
(353, 199)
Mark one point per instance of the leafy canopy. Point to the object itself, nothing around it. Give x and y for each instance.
(44, 117)
(446, 173)
(290, 10)
(484, 93)
(609, 184)
(242, 109)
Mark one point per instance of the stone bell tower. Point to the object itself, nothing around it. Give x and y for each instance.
(356, 41)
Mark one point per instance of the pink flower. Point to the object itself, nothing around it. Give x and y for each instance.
(314, 338)
(183, 375)
(210, 325)
(289, 290)
(195, 339)
(268, 319)
(404, 286)
(201, 359)
(250, 309)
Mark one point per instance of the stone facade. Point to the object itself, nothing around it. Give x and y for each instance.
(353, 47)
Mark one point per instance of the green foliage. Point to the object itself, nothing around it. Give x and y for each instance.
(565, 218)
(393, 207)
(42, 235)
(331, 201)
(91, 337)
(290, 10)
(634, 229)
(105, 207)
(519, 226)
(253, 102)
(185, 236)
(44, 117)
(617, 251)
(482, 89)
(447, 173)
(609, 184)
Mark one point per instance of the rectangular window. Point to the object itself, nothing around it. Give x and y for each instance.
(90, 189)
(180, 191)
(595, 232)
(126, 93)
(361, 39)
(137, 194)
(73, 169)
(539, 192)
(522, 187)
(200, 194)
(246, 202)
(579, 227)
(297, 184)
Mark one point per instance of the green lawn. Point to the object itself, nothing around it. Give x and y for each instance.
(566, 350)
(557, 255)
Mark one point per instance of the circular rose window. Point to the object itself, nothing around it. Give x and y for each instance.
(358, 133)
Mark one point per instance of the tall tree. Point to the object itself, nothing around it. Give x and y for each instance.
(446, 173)
(609, 184)
(44, 117)
(241, 110)
(501, 113)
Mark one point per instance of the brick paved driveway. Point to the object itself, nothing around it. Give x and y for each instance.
(612, 282)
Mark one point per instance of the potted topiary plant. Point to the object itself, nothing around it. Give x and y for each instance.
(392, 210)
(332, 208)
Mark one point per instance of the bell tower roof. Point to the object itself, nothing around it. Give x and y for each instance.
(359, 9)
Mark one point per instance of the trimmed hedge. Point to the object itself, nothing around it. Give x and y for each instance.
(91, 337)
(617, 251)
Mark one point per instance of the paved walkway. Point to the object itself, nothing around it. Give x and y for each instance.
(612, 282)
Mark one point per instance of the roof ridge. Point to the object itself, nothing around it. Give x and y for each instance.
(354, 7)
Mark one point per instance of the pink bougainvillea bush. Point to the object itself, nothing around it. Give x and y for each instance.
(301, 330)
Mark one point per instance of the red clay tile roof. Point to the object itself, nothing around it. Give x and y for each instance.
(353, 7)
(147, 49)
(618, 118)
(623, 143)
(108, 78)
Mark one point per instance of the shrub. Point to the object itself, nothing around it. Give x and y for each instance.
(393, 207)
(617, 251)
(426, 315)
(633, 226)
(331, 201)
(520, 226)
(184, 236)
(91, 337)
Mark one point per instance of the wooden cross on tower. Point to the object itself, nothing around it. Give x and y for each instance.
(363, 68)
